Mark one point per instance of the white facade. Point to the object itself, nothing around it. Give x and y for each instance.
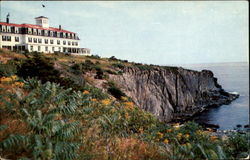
(40, 38)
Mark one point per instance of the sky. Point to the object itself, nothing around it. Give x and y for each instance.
(152, 32)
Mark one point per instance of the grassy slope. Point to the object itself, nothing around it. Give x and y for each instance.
(91, 123)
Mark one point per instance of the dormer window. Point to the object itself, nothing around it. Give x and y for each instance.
(29, 31)
(12, 29)
(8, 29)
(39, 32)
(16, 30)
(3, 28)
(34, 32)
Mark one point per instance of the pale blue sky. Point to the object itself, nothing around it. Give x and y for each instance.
(161, 32)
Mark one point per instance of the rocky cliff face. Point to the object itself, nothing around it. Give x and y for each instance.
(172, 93)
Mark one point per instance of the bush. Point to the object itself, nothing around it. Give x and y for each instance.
(76, 68)
(94, 56)
(118, 65)
(116, 92)
(7, 70)
(50, 134)
(99, 73)
(40, 67)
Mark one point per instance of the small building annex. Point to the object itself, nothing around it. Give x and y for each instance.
(40, 37)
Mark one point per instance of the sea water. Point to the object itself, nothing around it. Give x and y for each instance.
(233, 77)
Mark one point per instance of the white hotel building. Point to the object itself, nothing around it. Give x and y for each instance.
(39, 37)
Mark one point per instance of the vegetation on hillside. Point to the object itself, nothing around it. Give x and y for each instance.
(43, 116)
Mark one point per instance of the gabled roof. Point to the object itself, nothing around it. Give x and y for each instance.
(41, 17)
(35, 27)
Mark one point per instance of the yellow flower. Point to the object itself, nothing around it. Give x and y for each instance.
(124, 98)
(129, 105)
(213, 138)
(199, 132)
(166, 141)
(14, 77)
(6, 79)
(113, 110)
(140, 129)
(177, 126)
(160, 134)
(94, 100)
(186, 136)
(85, 92)
(179, 135)
(19, 84)
(106, 101)
(126, 115)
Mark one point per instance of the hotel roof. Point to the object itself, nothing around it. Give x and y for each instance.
(24, 25)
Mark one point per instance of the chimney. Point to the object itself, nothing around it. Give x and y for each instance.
(60, 27)
(7, 18)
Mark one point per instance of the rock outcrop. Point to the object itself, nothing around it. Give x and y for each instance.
(172, 93)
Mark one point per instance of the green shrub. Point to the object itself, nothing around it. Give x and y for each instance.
(99, 73)
(7, 70)
(116, 92)
(76, 68)
(237, 145)
(40, 67)
(50, 135)
(118, 65)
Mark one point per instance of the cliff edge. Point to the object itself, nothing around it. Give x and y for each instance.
(172, 93)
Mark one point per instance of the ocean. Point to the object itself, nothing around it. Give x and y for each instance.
(233, 77)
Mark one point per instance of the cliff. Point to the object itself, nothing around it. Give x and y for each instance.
(172, 93)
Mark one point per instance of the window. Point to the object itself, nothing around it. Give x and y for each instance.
(29, 31)
(31, 48)
(39, 40)
(4, 38)
(64, 42)
(69, 43)
(35, 40)
(59, 48)
(30, 39)
(8, 38)
(76, 43)
(46, 48)
(53, 48)
(8, 28)
(73, 43)
(3, 29)
(51, 41)
(58, 42)
(46, 41)
(16, 30)
(16, 39)
(39, 48)
(34, 31)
